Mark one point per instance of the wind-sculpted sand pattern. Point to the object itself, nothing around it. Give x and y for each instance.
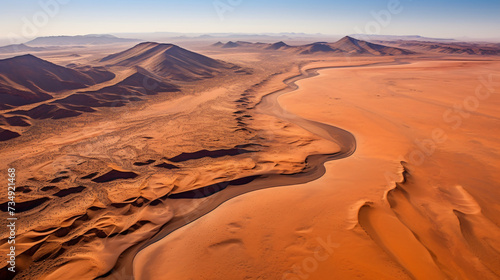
(313, 170)
(99, 192)
(91, 196)
(315, 163)
(157, 203)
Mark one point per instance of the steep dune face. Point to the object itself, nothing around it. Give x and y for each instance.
(133, 88)
(168, 61)
(98, 74)
(399, 242)
(6, 134)
(14, 121)
(141, 79)
(27, 79)
(53, 111)
(38, 74)
(140, 83)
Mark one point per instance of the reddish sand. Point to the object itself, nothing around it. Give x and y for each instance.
(116, 179)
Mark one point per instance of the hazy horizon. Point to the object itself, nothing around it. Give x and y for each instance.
(447, 19)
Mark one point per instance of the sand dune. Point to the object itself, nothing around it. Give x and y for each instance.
(98, 74)
(14, 121)
(168, 61)
(6, 134)
(130, 89)
(27, 79)
(53, 111)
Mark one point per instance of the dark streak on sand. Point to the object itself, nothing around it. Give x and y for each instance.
(25, 206)
(206, 153)
(212, 189)
(114, 175)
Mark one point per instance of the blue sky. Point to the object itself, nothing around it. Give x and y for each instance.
(457, 18)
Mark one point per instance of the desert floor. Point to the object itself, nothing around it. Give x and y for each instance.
(416, 200)
(348, 168)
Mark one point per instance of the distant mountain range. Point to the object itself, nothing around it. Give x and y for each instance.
(57, 42)
(79, 40)
(352, 46)
(345, 46)
(372, 37)
(458, 48)
(20, 48)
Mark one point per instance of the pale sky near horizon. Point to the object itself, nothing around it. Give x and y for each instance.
(445, 19)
